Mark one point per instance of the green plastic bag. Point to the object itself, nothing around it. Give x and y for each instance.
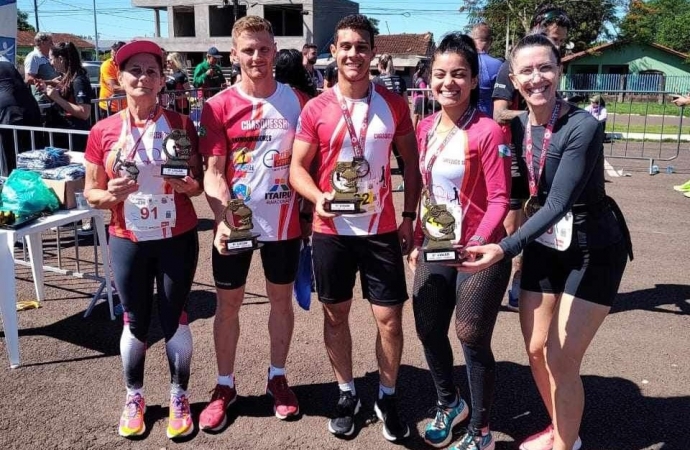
(25, 193)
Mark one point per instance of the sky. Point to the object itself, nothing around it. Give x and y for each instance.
(117, 19)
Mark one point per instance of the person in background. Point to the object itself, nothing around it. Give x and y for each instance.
(153, 234)
(330, 75)
(554, 23)
(109, 84)
(37, 66)
(289, 70)
(71, 97)
(682, 101)
(396, 84)
(309, 57)
(17, 107)
(208, 74)
(176, 80)
(597, 108)
(575, 240)
(422, 104)
(488, 67)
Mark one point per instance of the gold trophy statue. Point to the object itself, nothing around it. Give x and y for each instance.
(438, 225)
(238, 217)
(178, 148)
(344, 181)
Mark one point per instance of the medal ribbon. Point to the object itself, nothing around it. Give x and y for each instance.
(529, 147)
(461, 124)
(130, 155)
(357, 142)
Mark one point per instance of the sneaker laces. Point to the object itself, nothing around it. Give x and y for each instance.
(133, 406)
(346, 404)
(220, 392)
(180, 407)
(440, 413)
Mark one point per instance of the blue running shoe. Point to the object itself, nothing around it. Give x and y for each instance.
(439, 432)
(474, 441)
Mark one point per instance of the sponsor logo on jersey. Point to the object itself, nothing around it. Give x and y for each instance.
(276, 160)
(383, 136)
(265, 124)
(457, 162)
(504, 151)
(242, 160)
(279, 193)
(260, 138)
(242, 191)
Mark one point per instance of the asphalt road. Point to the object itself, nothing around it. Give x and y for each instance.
(69, 392)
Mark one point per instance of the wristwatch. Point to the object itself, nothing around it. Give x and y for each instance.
(409, 215)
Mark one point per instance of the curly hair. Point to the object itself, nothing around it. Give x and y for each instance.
(356, 22)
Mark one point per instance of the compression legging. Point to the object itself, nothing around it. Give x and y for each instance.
(476, 299)
(171, 263)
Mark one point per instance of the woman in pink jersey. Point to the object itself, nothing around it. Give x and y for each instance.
(466, 170)
(153, 233)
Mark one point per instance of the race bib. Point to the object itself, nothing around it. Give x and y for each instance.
(436, 227)
(147, 212)
(560, 235)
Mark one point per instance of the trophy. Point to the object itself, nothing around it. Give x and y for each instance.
(344, 181)
(178, 149)
(438, 225)
(238, 217)
(127, 166)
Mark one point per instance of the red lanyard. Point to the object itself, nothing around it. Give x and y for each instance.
(357, 142)
(461, 124)
(529, 146)
(130, 156)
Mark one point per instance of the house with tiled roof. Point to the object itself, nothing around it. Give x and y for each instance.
(407, 50)
(25, 43)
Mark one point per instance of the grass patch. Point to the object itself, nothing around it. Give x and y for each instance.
(644, 108)
(622, 127)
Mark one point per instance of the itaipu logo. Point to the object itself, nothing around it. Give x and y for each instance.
(275, 160)
(279, 191)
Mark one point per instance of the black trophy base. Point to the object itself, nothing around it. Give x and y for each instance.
(174, 171)
(343, 206)
(243, 244)
(441, 255)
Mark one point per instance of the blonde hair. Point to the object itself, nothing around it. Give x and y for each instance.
(386, 64)
(177, 61)
(253, 24)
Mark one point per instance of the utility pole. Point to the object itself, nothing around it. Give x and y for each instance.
(507, 55)
(36, 16)
(95, 29)
(236, 8)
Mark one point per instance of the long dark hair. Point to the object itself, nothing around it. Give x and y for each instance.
(462, 45)
(69, 53)
(290, 71)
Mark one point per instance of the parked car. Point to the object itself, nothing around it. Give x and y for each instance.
(93, 69)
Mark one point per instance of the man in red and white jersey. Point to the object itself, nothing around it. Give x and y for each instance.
(247, 132)
(353, 125)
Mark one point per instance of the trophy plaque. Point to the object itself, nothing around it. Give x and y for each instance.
(178, 149)
(438, 225)
(238, 217)
(344, 181)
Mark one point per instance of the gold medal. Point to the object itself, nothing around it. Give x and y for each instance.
(532, 206)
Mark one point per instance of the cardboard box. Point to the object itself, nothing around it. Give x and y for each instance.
(64, 191)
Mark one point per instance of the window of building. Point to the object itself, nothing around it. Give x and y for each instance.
(285, 19)
(183, 21)
(222, 18)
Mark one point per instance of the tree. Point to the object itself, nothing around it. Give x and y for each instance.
(591, 17)
(23, 21)
(665, 22)
(375, 24)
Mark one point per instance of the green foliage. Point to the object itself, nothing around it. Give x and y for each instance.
(23, 21)
(591, 18)
(665, 22)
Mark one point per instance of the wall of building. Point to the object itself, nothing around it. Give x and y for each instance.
(638, 58)
(329, 13)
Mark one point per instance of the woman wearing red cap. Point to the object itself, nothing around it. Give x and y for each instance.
(153, 233)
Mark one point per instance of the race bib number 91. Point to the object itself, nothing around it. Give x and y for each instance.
(145, 212)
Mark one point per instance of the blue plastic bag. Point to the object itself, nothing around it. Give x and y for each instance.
(302, 288)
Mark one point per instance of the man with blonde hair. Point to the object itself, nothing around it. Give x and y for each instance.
(246, 137)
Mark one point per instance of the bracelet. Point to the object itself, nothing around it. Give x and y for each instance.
(409, 215)
(477, 238)
(307, 217)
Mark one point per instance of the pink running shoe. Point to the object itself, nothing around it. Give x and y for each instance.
(180, 422)
(544, 440)
(284, 400)
(132, 420)
(214, 416)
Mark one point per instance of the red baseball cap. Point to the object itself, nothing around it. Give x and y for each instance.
(134, 48)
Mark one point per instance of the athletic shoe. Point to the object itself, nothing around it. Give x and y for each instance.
(214, 416)
(132, 420)
(439, 432)
(544, 441)
(514, 293)
(473, 441)
(343, 424)
(685, 187)
(687, 194)
(386, 409)
(284, 400)
(180, 421)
